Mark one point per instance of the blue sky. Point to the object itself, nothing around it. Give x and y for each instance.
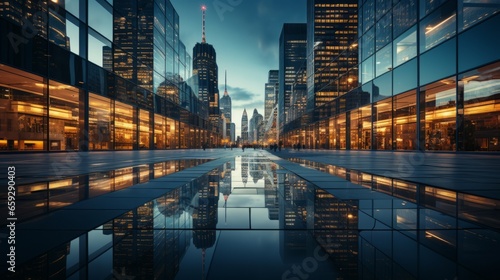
(245, 35)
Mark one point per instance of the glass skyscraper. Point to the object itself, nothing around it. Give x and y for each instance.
(96, 75)
(427, 81)
(292, 51)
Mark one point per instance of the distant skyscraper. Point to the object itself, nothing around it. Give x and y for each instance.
(270, 93)
(205, 66)
(292, 58)
(225, 110)
(331, 29)
(256, 128)
(244, 127)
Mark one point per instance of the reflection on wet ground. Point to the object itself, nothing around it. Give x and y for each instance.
(251, 219)
(39, 198)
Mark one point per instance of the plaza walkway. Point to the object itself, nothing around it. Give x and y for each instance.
(476, 174)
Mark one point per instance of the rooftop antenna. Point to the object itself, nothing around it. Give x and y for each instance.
(225, 83)
(203, 37)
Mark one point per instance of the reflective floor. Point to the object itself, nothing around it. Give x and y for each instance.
(252, 219)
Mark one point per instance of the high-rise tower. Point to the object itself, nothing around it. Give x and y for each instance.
(205, 66)
(292, 58)
(331, 29)
(225, 110)
(244, 127)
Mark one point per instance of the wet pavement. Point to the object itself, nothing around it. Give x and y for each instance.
(251, 215)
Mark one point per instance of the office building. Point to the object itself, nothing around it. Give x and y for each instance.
(292, 55)
(205, 67)
(225, 110)
(331, 29)
(244, 127)
(427, 81)
(96, 75)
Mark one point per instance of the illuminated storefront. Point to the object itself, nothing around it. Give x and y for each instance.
(68, 85)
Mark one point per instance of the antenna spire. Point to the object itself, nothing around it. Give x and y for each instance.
(225, 82)
(203, 37)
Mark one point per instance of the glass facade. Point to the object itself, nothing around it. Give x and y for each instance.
(96, 75)
(427, 80)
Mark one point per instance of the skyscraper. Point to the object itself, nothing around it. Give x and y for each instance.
(205, 66)
(117, 69)
(331, 29)
(292, 51)
(225, 110)
(244, 127)
(256, 128)
(271, 91)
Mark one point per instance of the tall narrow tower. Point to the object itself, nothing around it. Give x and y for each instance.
(225, 110)
(203, 35)
(205, 66)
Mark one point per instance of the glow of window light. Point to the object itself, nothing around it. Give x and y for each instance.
(430, 29)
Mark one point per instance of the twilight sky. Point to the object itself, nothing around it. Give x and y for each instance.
(245, 35)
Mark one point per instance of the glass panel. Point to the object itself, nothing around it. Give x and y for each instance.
(405, 77)
(100, 132)
(99, 49)
(332, 134)
(57, 29)
(355, 126)
(73, 35)
(438, 63)
(383, 6)
(405, 120)
(368, 47)
(172, 134)
(383, 62)
(384, 34)
(24, 111)
(144, 130)
(341, 130)
(427, 6)
(125, 127)
(159, 132)
(76, 8)
(367, 70)
(477, 46)
(438, 27)
(63, 117)
(369, 14)
(382, 87)
(404, 16)
(472, 12)
(101, 18)
(481, 108)
(405, 47)
(440, 114)
(366, 127)
(382, 124)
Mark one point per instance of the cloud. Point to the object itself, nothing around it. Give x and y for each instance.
(240, 94)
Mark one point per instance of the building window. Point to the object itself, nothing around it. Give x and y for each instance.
(471, 12)
(405, 120)
(405, 47)
(438, 26)
(382, 124)
(125, 126)
(481, 88)
(144, 131)
(439, 114)
(63, 117)
(100, 131)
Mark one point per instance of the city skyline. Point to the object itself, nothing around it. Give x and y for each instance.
(246, 38)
